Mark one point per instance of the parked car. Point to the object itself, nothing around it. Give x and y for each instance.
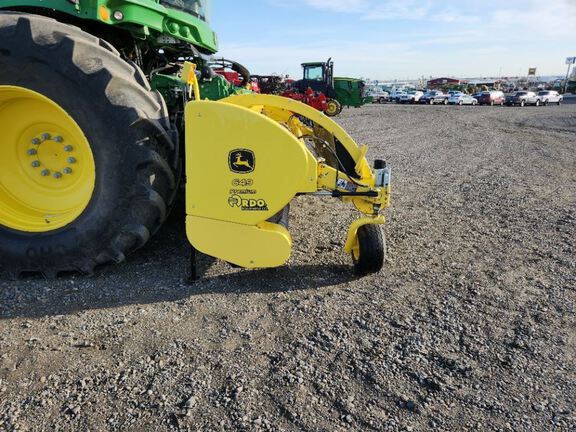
(462, 99)
(434, 97)
(395, 95)
(411, 97)
(378, 95)
(550, 96)
(493, 97)
(523, 98)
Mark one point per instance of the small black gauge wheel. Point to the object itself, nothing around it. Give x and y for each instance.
(370, 250)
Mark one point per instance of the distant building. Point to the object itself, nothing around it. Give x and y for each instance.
(496, 84)
(440, 82)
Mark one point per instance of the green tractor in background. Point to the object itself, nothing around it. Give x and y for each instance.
(91, 112)
(321, 90)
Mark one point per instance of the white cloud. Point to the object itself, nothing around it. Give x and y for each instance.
(381, 10)
(557, 15)
(349, 58)
(551, 19)
(392, 10)
(339, 5)
(421, 37)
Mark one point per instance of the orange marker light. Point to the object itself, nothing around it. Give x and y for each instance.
(104, 13)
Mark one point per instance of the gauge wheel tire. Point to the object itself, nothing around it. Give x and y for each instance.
(371, 250)
(333, 108)
(125, 124)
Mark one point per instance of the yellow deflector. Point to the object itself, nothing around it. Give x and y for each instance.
(248, 156)
(242, 168)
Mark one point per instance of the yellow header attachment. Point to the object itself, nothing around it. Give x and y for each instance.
(248, 156)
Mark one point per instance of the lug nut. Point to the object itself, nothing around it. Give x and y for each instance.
(45, 173)
(32, 152)
(71, 160)
(45, 136)
(36, 141)
(35, 164)
(68, 148)
(57, 175)
(58, 139)
(67, 170)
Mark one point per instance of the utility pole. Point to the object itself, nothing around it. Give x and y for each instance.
(569, 61)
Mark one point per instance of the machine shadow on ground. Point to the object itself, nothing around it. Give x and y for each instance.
(74, 295)
(166, 258)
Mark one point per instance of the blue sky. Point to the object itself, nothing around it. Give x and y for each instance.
(386, 39)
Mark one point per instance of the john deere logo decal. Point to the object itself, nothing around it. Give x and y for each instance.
(242, 161)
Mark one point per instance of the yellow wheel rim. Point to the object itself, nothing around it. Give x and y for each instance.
(47, 171)
(332, 108)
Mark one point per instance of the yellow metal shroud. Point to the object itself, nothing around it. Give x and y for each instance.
(247, 157)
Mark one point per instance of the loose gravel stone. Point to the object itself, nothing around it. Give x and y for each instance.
(470, 326)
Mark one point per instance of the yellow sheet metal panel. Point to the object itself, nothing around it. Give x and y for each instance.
(241, 166)
(263, 246)
(293, 106)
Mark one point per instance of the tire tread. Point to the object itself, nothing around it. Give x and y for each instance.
(372, 250)
(127, 88)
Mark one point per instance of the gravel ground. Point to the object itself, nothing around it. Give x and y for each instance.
(470, 326)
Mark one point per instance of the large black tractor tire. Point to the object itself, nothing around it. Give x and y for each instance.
(127, 127)
(372, 250)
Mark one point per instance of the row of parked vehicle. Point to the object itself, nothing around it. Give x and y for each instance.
(494, 97)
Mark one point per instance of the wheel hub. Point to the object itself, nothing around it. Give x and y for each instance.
(47, 170)
(51, 156)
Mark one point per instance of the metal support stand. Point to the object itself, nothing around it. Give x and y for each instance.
(193, 277)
